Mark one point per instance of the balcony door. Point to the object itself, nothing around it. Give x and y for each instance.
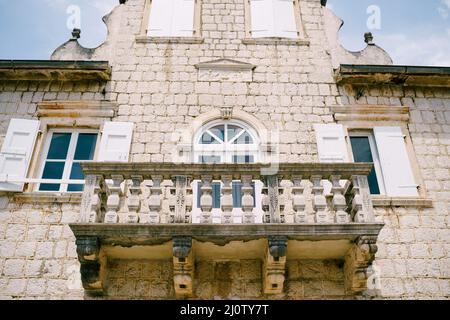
(226, 142)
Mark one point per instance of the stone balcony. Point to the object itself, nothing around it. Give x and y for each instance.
(300, 211)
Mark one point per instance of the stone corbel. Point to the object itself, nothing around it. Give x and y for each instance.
(183, 266)
(275, 265)
(357, 261)
(93, 265)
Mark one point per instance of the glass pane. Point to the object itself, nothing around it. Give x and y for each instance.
(76, 173)
(245, 138)
(215, 194)
(52, 170)
(59, 146)
(219, 131)
(85, 146)
(243, 159)
(208, 139)
(75, 187)
(237, 194)
(209, 159)
(363, 153)
(232, 131)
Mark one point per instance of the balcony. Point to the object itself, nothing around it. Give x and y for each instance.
(300, 211)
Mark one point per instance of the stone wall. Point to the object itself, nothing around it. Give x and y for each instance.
(224, 279)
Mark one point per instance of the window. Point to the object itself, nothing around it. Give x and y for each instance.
(365, 150)
(64, 151)
(228, 141)
(274, 18)
(172, 18)
(384, 146)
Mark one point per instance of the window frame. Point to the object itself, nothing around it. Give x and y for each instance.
(68, 162)
(375, 156)
(146, 20)
(298, 22)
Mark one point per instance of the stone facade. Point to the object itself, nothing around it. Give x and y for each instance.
(156, 86)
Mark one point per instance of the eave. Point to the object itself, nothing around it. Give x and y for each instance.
(408, 76)
(52, 70)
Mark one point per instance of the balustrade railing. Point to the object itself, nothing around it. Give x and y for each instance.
(162, 193)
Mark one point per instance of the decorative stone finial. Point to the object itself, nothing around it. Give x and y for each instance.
(122, 1)
(368, 38)
(76, 34)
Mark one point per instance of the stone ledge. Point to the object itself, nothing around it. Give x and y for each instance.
(152, 234)
(77, 109)
(47, 198)
(370, 113)
(179, 40)
(274, 41)
(381, 201)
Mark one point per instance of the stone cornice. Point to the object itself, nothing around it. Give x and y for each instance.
(48, 70)
(408, 76)
(195, 171)
(225, 64)
(370, 113)
(151, 234)
(76, 109)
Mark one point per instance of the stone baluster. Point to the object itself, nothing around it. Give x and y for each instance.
(113, 202)
(189, 203)
(319, 200)
(181, 183)
(273, 193)
(226, 199)
(361, 209)
(134, 201)
(338, 203)
(154, 202)
(247, 199)
(206, 200)
(91, 202)
(265, 204)
(298, 200)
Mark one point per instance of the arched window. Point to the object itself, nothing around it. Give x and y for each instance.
(226, 141)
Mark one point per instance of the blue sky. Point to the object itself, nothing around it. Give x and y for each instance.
(414, 32)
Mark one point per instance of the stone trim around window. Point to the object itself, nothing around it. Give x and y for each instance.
(275, 41)
(417, 202)
(47, 197)
(370, 113)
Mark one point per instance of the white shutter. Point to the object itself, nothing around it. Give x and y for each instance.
(160, 20)
(262, 18)
(17, 151)
(183, 18)
(394, 160)
(284, 17)
(331, 143)
(116, 141)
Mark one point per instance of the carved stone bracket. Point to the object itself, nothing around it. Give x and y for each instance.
(183, 266)
(92, 264)
(274, 265)
(357, 261)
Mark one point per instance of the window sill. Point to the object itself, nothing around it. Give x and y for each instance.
(383, 201)
(271, 41)
(180, 40)
(48, 197)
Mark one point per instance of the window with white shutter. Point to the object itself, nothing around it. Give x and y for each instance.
(171, 18)
(16, 152)
(116, 141)
(331, 144)
(397, 172)
(273, 18)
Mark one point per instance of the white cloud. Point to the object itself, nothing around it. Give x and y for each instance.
(426, 49)
(444, 9)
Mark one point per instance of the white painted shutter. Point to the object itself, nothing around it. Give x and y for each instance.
(116, 141)
(160, 20)
(395, 164)
(331, 143)
(262, 18)
(284, 17)
(183, 19)
(17, 151)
